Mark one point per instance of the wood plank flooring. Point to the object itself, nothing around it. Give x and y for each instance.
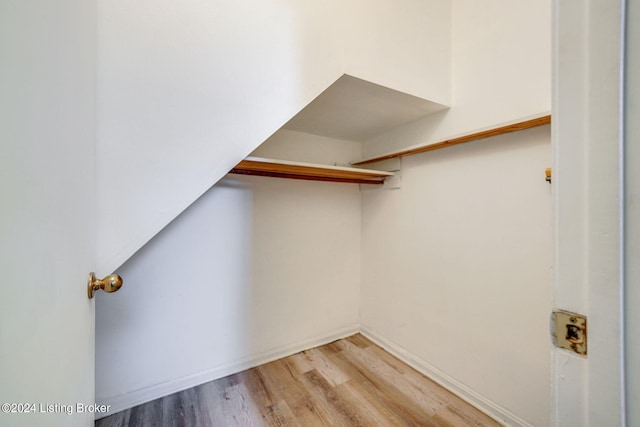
(349, 382)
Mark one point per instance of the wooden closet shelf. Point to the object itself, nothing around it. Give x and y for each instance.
(308, 171)
(511, 127)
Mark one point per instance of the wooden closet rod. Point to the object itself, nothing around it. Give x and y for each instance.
(308, 171)
(514, 127)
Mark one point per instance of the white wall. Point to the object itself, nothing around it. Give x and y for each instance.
(456, 269)
(256, 269)
(456, 263)
(404, 45)
(187, 89)
(500, 72)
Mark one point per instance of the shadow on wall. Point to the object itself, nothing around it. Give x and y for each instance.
(256, 267)
(187, 285)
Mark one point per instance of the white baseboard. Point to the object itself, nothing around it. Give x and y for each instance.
(485, 405)
(137, 397)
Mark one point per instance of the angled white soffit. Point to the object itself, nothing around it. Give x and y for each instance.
(357, 110)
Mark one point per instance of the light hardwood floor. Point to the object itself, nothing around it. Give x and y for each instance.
(350, 382)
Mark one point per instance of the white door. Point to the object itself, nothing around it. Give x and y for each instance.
(47, 223)
(588, 263)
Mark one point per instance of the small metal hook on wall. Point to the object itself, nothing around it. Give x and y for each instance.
(547, 172)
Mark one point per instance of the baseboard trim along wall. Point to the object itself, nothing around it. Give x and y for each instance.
(482, 403)
(147, 394)
(138, 397)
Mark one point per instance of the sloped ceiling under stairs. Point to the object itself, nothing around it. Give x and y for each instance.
(357, 110)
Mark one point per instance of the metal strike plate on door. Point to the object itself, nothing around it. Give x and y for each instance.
(109, 284)
(569, 331)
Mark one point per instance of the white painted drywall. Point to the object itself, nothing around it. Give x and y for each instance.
(456, 267)
(456, 263)
(47, 218)
(397, 43)
(500, 72)
(187, 89)
(256, 268)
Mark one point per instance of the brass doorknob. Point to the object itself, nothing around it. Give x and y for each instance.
(109, 284)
